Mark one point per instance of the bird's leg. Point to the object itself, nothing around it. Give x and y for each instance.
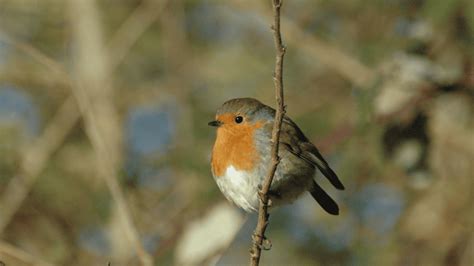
(274, 194)
(271, 194)
(259, 191)
(255, 238)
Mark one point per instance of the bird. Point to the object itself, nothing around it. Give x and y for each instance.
(241, 158)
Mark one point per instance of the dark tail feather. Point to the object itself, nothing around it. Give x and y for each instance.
(323, 166)
(324, 199)
(332, 177)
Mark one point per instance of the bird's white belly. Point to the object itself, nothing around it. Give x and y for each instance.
(239, 187)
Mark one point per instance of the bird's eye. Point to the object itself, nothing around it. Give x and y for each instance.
(239, 119)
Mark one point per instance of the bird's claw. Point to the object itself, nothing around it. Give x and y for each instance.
(266, 243)
(269, 203)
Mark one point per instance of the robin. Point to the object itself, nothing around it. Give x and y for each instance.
(241, 158)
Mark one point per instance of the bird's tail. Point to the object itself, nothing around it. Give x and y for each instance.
(326, 202)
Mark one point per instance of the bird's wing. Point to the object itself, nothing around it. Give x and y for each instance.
(293, 140)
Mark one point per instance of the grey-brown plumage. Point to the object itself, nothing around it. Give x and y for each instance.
(294, 141)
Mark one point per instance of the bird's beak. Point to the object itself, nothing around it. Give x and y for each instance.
(215, 123)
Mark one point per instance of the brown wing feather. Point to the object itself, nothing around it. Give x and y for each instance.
(296, 142)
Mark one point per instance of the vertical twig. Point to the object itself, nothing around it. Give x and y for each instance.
(263, 215)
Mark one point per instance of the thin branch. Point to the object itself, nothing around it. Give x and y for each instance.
(8, 250)
(55, 67)
(349, 67)
(133, 28)
(344, 64)
(93, 92)
(35, 158)
(259, 234)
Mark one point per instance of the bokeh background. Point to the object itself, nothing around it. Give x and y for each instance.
(105, 148)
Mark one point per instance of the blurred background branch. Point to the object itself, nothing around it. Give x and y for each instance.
(392, 79)
(133, 28)
(11, 255)
(35, 159)
(329, 55)
(93, 92)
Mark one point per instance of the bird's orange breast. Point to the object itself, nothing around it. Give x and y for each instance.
(235, 146)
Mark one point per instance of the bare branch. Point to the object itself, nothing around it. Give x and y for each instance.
(93, 92)
(7, 250)
(349, 67)
(55, 67)
(35, 159)
(259, 234)
(132, 28)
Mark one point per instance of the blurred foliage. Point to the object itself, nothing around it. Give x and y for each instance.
(403, 143)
